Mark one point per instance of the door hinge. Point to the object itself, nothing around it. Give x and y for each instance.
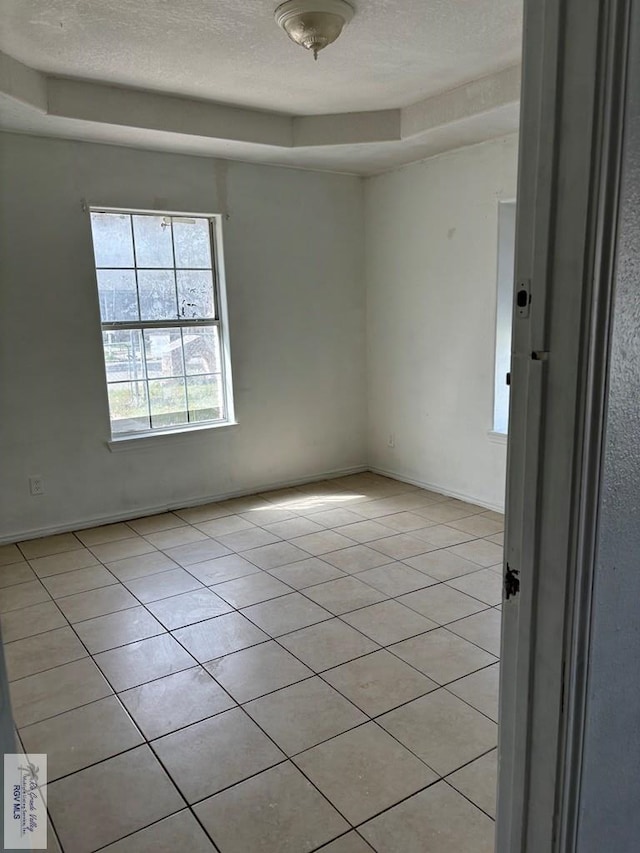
(511, 583)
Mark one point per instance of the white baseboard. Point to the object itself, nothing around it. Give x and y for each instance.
(437, 487)
(139, 512)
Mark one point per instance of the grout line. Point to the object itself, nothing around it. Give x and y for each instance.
(462, 794)
(319, 674)
(146, 742)
(370, 719)
(60, 713)
(101, 760)
(47, 668)
(271, 638)
(239, 610)
(326, 844)
(149, 825)
(38, 633)
(286, 759)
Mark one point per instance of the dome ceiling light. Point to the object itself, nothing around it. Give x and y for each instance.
(313, 24)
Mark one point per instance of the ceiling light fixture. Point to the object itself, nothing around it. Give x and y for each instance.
(313, 24)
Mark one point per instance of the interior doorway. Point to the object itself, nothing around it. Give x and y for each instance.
(571, 181)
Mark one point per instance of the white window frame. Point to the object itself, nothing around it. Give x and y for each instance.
(504, 315)
(129, 440)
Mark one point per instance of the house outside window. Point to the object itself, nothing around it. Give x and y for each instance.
(164, 322)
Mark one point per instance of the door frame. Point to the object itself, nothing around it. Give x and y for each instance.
(574, 62)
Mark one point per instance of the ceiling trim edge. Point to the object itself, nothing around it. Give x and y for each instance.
(111, 105)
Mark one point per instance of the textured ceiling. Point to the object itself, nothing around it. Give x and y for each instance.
(393, 53)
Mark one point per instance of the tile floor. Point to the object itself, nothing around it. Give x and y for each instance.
(309, 669)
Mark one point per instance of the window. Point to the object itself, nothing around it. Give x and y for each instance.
(504, 312)
(161, 306)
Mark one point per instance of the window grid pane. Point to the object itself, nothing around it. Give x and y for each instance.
(157, 294)
(159, 377)
(118, 295)
(205, 397)
(167, 402)
(129, 406)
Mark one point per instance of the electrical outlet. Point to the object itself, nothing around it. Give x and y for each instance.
(36, 485)
(392, 440)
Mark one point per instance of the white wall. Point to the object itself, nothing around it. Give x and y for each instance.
(431, 264)
(297, 251)
(294, 260)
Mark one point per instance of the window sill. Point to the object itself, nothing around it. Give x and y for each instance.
(152, 439)
(497, 437)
